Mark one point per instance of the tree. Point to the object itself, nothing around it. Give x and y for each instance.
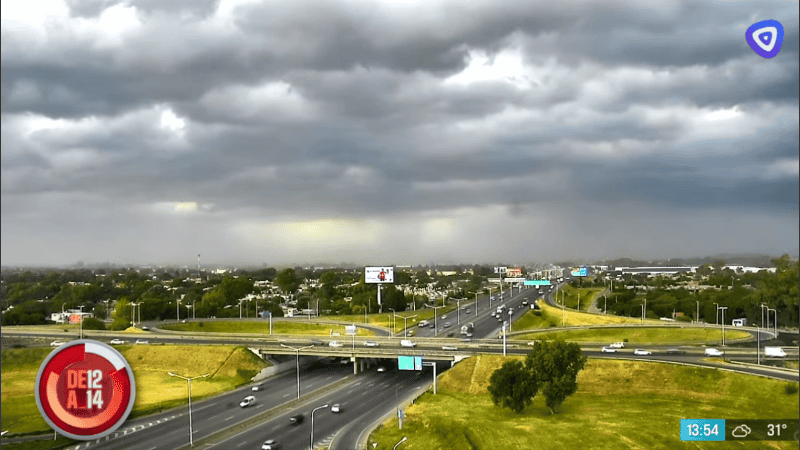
(288, 281)
(91, 323)
(555, 364)
(513, 386)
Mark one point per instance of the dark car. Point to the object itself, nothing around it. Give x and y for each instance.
(296, 420)
(675, 351)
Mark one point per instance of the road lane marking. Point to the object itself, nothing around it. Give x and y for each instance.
(229, 418)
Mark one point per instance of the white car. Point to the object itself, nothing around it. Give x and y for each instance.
(117, 341)
(444, 317)
(259, 387)
(381, 369)
(336, 408)
(617, 345)
(642, 352)
(141, 341)
(609, 350)
(335, 344)
(57, 343)
(271, 445)
(407, 343)
(493, 314)
(714, 352)
(248, 401)
(370, 344)
(447, 347)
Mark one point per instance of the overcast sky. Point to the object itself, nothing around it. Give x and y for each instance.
(394, 132)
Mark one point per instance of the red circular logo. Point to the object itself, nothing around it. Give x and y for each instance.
(85, 389)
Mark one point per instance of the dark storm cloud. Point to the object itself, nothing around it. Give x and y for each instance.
(170, 116)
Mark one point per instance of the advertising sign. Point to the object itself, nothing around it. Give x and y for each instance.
(381, 274)
(500, 269)
(350, 330)
(85, 389)
(580, 272)
(74, 318)
(514, 272)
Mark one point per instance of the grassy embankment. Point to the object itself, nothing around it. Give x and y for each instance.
(619, 404)
(551, 317)
(155, 389)
(309, 328)
(639, 335)
(384, 320)
(572, 295)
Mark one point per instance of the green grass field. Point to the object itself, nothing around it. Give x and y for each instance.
(552, 317)
(572, 296)
(619, 405)
(639, 335)
(155, 389)
(310, 328)
(384, 320)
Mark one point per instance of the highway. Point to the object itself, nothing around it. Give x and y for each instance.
(364, 398)
(169, 431)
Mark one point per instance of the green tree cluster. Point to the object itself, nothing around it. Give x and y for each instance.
(551, 366)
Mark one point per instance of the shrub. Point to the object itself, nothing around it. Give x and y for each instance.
(93, 323)
(791, 388)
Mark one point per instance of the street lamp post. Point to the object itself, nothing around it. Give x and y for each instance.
(177, 310)
(398, 444)
(107, 300)
(775, 322)
(405, 326)
(81, 307)
(458, 311)
(435, 316)
(716, 318)
(723, 308)
(758, 345)
(312, 422)
(490, 298)
(297, 352)
(697, 313)
(393, 322)
(191, 440)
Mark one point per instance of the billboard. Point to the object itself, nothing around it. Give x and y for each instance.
(580, 272)
(379, 274)
(74, 318)
(350, 330)
(500, 269)
(514, 272)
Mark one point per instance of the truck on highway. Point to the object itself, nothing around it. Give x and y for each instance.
(739, 322)
(467, 329)
(776, 352)
(423, 323)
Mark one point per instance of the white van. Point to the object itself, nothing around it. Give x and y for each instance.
(714, 352)
(776, 352)
(423, 323)
(407, 343)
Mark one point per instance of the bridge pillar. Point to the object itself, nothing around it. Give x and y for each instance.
(362, 361)
(355, 365)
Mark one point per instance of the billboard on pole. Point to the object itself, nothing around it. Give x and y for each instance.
(514, 272)
(379, 274)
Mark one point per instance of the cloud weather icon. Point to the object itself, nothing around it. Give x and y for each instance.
(741, 431)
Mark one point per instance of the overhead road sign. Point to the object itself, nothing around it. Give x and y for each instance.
(580, 272)
(514, 280)
(537, 282)
(409, 362)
